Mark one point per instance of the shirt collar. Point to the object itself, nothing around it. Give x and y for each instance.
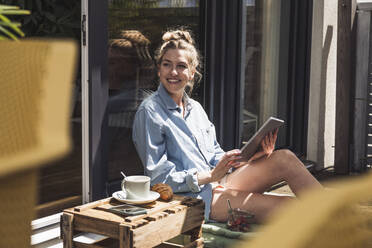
(169, 102)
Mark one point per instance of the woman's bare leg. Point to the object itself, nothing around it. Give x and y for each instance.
(245, 186)
(259, 176)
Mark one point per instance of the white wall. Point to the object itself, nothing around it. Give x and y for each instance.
(270, 59)
(322, 99)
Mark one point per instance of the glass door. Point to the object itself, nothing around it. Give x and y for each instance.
(121, 40)
(276, 70)
(265, 85)
(135, 29)
(254, 67)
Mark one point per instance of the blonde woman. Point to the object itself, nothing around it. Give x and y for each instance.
(177, 144)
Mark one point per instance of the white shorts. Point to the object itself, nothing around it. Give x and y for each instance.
(222, 182)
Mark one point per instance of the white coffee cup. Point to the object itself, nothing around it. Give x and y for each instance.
(136, 187)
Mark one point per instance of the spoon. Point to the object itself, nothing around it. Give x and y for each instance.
(122, 173)
(230, 210)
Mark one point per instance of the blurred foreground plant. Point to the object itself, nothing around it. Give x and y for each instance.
(8, 28)
(49, 18)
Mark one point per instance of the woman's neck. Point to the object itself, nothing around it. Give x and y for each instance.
(178, 100)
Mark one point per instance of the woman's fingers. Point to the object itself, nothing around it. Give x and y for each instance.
(231, 155)
(263, 144)
(267, 144)
(231, 160)
(267, 140)
(227, 161)
(275, 135)
(257, 155)
(238, 164)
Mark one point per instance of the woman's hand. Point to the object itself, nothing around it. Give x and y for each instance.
(267, 145)
(227, 161)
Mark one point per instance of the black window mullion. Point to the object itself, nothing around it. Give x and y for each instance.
(98, 96)
(223, 60)
(299, 74)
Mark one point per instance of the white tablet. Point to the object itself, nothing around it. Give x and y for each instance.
(254, 143)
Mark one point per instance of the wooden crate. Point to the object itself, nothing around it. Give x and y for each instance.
(163, 221)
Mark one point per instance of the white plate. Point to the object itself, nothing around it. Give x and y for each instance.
(120, 196)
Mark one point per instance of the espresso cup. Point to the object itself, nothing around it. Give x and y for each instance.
(136, 187)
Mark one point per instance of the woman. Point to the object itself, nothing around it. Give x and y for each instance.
(177, 144)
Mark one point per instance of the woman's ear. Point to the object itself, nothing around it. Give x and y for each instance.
(192, 74)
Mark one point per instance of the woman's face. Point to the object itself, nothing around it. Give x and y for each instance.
(174, 72)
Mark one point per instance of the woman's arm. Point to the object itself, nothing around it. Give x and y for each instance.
(150, 142)
(227, 161)
(221, 162)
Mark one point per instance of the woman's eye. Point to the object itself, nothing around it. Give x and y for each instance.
(182, 66)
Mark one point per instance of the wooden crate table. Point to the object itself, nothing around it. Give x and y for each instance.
(163, 221)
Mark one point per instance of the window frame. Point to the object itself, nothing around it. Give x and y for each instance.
(223, 42)
(224, 45)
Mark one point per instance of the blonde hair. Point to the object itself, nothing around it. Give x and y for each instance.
(181, 39)
(132, 43)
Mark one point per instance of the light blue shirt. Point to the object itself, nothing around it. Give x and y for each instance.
(173, 148)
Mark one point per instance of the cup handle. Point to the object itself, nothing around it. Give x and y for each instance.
(124, 188)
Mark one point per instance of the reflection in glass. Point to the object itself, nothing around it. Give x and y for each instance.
(263, 60)
(60, 182)
(135, 30)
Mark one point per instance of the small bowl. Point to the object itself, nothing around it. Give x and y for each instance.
(239, 220)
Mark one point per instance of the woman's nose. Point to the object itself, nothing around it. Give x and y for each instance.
(173, 71)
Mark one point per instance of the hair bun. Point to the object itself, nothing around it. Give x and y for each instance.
(178, 35)
(135, 37)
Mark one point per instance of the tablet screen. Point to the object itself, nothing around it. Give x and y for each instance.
(254, 143)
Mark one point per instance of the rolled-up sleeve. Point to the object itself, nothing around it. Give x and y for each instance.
(150, 142)
(218, 151)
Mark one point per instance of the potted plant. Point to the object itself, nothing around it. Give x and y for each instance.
(9, 29)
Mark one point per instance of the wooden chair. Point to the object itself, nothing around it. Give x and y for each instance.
(340, 217)
(35, 96)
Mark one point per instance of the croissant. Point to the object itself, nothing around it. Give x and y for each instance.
(164, 190)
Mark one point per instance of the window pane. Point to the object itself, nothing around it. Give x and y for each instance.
(266, 65)
(135, 29)
(60, 181)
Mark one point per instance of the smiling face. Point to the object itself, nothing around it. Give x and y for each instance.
(174, 73)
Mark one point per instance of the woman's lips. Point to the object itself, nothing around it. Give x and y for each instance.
(173, 81)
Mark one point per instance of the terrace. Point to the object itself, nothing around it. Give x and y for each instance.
(278, 63)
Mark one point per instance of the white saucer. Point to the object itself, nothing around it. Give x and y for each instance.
(120, 196)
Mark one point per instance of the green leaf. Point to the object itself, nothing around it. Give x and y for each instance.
(63, 18)
(11, 24)
(14, 26)
(7, 26)
(50, 17)
(9, 34)
(4, 19)
(15, 12)
(4, 7)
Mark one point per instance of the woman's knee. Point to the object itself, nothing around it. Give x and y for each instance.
(284, 158)
(283, 155)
